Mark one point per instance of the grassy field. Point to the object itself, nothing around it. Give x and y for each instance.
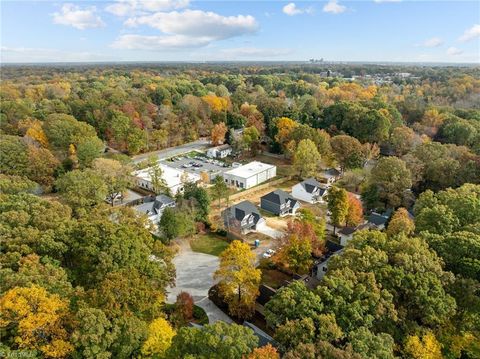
(208, 244)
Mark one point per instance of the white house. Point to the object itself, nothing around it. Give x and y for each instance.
(250, 175)
(347, 233)
(219, 151)
(153, 207)
(331, 175)
(309, 190)
(173, 177)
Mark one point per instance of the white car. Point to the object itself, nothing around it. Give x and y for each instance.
(268, 253)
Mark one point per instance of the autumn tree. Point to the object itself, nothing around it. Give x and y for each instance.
(285, 127)
(306, 159)
(183, 308)
(36, 319)
(82, 188)
(116, 176)
(392, 179)
(218, 133)
(238, 279)
(296, 253)
(401, 222)
(214, 341)
(160, 335)
(265, 352)
(424, 347)
(403, 139)
(355, 211)
(337, 202)
(250, 139)
(348, 151)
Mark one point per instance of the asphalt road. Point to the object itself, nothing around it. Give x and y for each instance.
(200, 144)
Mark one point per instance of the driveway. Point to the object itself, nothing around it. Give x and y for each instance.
(195, 276)
(269, 231)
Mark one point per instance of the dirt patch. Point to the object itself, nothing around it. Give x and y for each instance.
(278, 223)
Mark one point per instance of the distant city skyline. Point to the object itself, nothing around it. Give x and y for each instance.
(184, 30)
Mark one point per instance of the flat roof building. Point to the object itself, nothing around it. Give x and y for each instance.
(250, 175)
(173, 177)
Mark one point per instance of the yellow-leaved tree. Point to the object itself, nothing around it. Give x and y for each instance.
(266, 352)
(238, 279)
(401, 222)
(426, 347)
(160, 334)
(37, 318)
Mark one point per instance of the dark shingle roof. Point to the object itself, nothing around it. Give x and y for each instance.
(240, 210)
(279, 197)
(377, 219)
(263, 338)
(154, 204)
(347, 230)
(333, 247)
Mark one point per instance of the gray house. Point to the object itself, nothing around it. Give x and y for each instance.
(153, 206)
(242, 217)
(279, 202)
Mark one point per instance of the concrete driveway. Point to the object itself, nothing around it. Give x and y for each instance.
(269, 231)
(195, 276)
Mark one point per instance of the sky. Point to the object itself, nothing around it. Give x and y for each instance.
(189, 30)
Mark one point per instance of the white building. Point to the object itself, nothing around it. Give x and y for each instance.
(173, 177)
(219, 151)
(250, 175)
(309, 190)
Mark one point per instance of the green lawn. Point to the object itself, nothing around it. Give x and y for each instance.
(208, 244)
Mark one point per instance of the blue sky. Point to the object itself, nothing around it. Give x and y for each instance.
(188, 30)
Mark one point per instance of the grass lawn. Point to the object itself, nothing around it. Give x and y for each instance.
(208, 244)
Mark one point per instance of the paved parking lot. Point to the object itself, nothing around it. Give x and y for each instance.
(202, 164)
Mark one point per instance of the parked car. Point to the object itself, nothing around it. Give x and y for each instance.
(268, 253)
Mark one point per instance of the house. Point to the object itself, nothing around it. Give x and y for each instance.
(153, 206)
(320, 266)
(346, 233)
(263, 338)
(378, 220)
(331, 175)
(280, 203)
(219, 151)
(250, 175)
(242, 217)
(309, 190)
(174, 178)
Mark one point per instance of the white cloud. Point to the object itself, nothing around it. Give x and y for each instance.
(254, 52)
(73, 15)
(27, 54)
(291, 9)
(453, 51)
(157, 43)
(197, 23)
(432, 42)
(334, 7)
(131, 7)
(471, 33)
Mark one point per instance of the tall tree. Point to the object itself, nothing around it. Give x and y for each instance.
(37, 319)
(393, 179)
(306, 159)
(213, 341)
(82, 189)
(115, 175)
(218, 133)
(160, 335)
(337, 202)
(400, 223)
(238, 279)
(355, 211)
